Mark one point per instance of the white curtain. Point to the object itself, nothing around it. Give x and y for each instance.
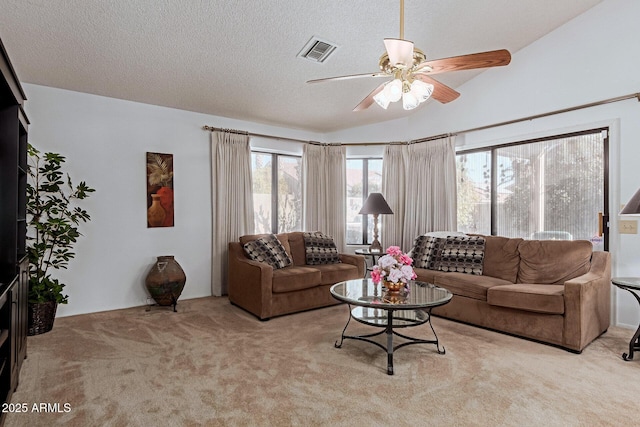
(231, 198)
(394, 171)
(431, 194)
(325, 187)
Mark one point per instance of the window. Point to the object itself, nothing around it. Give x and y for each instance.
(551, 188)
(277, 192)
(364, 176)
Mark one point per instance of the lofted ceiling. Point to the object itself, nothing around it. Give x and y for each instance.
(239, 59)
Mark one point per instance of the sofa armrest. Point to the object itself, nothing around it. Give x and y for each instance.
(249, 282)
(357, 260)
(587, 300)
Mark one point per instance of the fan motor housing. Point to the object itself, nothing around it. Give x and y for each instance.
(389, 68)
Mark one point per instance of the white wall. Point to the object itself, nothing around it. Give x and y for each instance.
(105, 141)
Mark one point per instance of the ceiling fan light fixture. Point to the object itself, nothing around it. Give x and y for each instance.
(409, 101)
(411, 72)
(393, 90)
(382, 99)
(421, 90)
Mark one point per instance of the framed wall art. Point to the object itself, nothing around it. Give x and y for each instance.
(159, 190)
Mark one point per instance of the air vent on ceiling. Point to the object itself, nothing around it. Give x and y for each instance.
(317, 50)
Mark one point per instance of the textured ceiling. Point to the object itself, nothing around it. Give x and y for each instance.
(238, 59)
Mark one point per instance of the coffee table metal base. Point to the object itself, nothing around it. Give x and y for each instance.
(389, 330)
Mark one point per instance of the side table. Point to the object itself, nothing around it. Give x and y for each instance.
(373, 255)
(631, 284)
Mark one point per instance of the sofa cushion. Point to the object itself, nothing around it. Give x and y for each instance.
(294, 278)
(462, 254)
(426, 275)
(334, 273)
(268, 249)
(296, 243)
(468, 285)
(501, 257)
(553, 261)
(426, 250)
(320, 249)
(529, 297)
(283, 238)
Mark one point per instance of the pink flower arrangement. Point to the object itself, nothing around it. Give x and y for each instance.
(394, 267)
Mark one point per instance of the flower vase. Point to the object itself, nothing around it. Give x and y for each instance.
(393, 288)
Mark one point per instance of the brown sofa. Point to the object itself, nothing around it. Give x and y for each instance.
(266, 292)
(556, 292)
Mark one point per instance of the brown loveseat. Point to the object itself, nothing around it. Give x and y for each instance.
(266, 292)
(556, 292)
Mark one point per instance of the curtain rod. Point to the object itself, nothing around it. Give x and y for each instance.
(241, 132)
(262, 135)
(445, 135)
(536, 116)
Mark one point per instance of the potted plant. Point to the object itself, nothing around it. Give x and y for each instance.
(52, 230)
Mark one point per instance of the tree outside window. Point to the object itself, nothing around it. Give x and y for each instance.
(551, 188)
(364, 176)
(277, 192)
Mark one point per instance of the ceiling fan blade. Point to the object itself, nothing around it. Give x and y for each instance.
(441, 92)
(400, 52)
(494, 58)
(368, 101)
(348, 77)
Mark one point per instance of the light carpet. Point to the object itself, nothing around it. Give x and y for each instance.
(212, 363)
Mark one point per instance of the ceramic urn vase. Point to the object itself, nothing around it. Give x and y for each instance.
(165, 281)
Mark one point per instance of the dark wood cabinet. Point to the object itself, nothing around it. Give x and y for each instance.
(18, 332)
(14, 265)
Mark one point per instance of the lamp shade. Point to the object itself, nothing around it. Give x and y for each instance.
(633, 206)
(375, 204)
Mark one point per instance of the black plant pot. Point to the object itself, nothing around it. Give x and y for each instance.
(41, 317)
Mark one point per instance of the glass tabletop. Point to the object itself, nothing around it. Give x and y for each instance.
(364, 293)
(628, 282)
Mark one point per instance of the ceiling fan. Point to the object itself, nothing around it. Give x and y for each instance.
(411, 73)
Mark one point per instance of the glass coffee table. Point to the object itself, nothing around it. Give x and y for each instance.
(631, 284)
(371, 305)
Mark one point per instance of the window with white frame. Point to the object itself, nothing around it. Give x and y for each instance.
(277, 192)
(364, 176)
(549, 188)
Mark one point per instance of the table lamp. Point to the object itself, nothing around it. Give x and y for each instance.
(375, 205)
(633, 206)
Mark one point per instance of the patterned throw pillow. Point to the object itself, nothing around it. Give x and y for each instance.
(462, 254)
(426, 251)
(320, 249)
(268, 249)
